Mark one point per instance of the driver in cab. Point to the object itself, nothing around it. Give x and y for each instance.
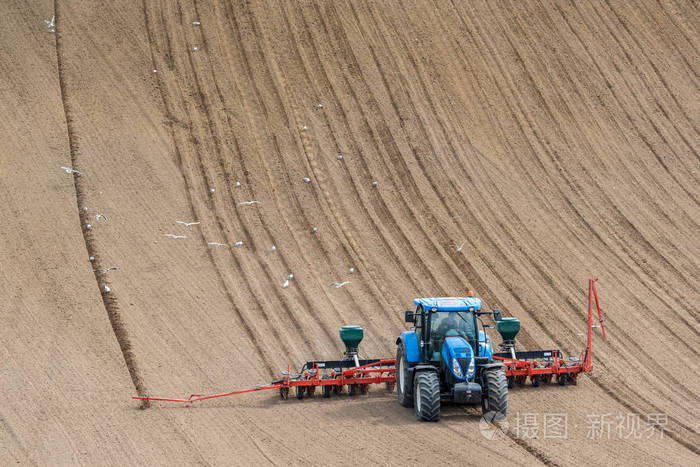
(447, 323)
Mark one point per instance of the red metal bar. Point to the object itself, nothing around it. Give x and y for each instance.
(597, 305)
(199, 397)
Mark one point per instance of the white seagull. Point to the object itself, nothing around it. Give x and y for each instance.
(248, 203)
(458, 248)
(175, 236)
(307, 179)
(70, 170)
(273, 248)
(286, 284)
(352, 270)
(187, 224)
(107, 289)
(217, 244)
(238, 243)
(100, 216)
(338, 285)
(51, 23)
(196, 23)
(103, 270)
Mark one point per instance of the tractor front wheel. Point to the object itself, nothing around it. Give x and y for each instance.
(402, 382)
(426, 392)
(496, 387)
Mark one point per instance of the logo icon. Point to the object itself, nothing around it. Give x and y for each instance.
(493, 425)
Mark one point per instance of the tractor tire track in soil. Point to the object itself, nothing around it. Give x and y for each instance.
(109, 298)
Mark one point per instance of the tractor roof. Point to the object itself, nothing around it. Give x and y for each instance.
(449, 303)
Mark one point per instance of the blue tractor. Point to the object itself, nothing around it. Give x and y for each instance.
(446, 357)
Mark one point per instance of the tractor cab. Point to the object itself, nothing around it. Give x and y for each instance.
(439, 318)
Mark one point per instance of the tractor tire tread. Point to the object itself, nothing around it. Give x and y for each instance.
(428, 389)
(401, 392)
(497, 385)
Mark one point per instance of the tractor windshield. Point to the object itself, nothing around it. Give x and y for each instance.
(452, 323)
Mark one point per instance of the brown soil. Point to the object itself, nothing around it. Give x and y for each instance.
(558, 140)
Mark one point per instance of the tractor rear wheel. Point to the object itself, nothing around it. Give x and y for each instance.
(426, 392)
(496, 387)
(402, 382)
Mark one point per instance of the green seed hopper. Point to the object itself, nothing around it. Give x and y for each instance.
(351, 337)
(508, 328)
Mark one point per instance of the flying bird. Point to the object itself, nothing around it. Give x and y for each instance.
(338, 285)
(248, 203)
(196, 23)
(238, 243)
(104, 270)
(217, 244)
(458, 248)
(51, 23)
(187, 224)
(307, 179)
(286, 284)
(70, 170)
(175, 236)
(100, 216)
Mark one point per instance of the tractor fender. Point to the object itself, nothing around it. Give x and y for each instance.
(410, 345)
(412, 371)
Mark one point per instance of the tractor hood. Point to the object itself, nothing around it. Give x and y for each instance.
(459, 357)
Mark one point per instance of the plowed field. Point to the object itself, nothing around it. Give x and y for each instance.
(557, 140)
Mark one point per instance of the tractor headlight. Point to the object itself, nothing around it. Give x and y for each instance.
(470, 370)
(456, 369)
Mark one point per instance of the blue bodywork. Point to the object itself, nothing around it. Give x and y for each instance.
(410, 343)
(485, 349)
(449, 303)
(457, 347)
